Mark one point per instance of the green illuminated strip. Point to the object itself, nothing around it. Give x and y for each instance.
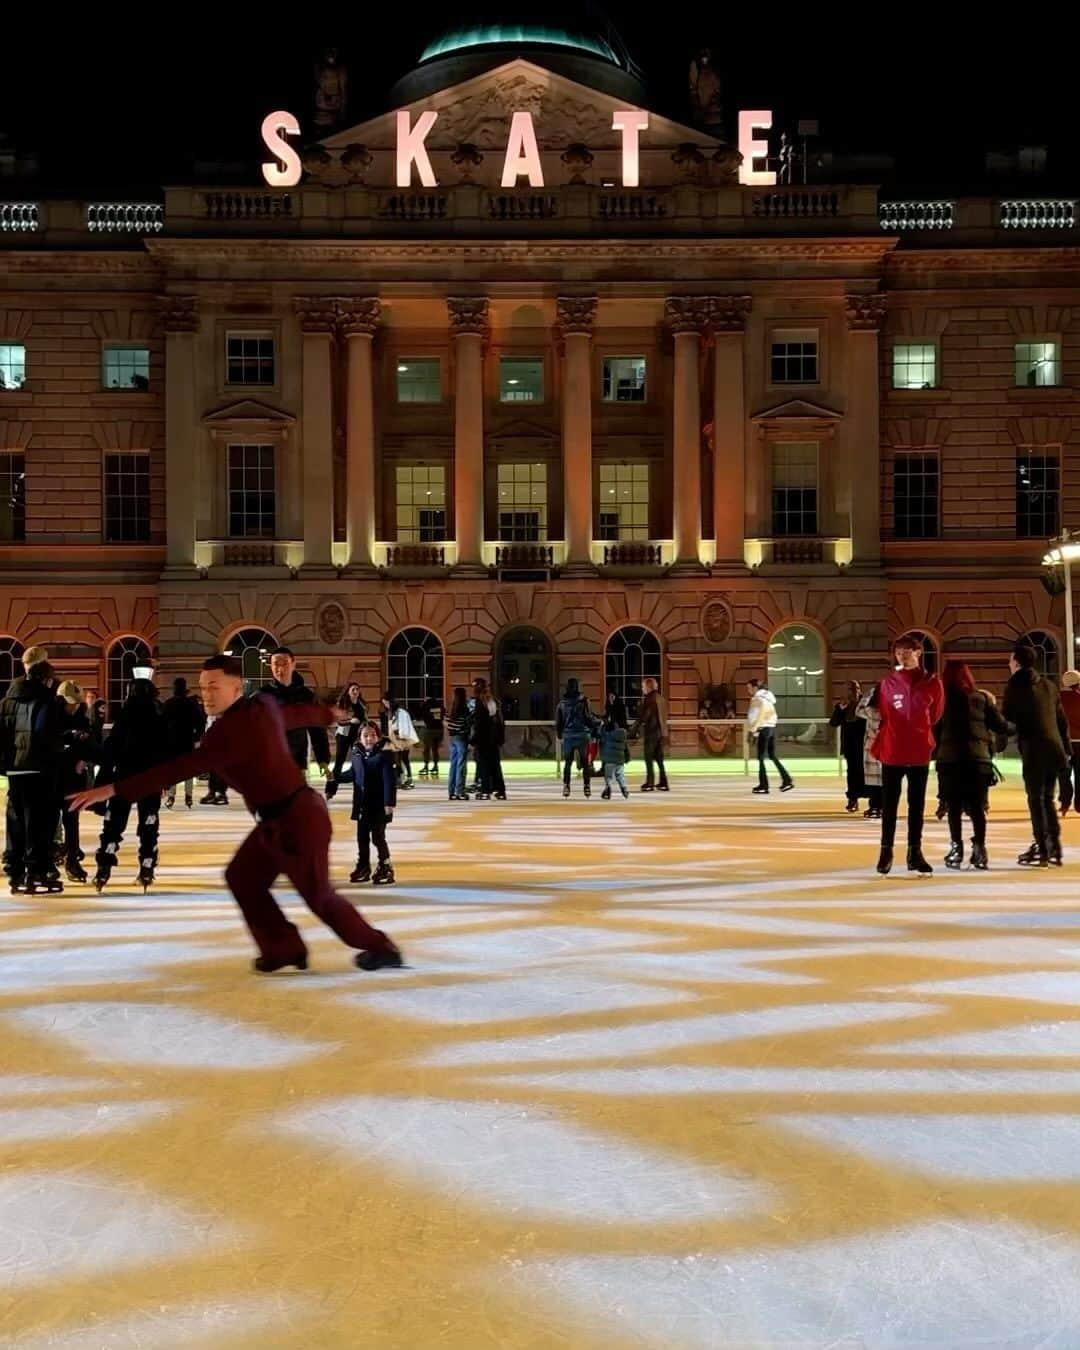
(513, 34)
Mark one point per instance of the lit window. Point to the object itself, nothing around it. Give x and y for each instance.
(522, 503)
(1046, 652)
(12, 498)
(631, 657)
(414, 668)
(420, 504)
(793, 357)
(125, 368)
(1038, 496)
(124, 655)
(796, 672)
(419, 380)
(249, 358)
(624, 501)
(624, 379)
(521, 380)
(914, 365)
(915, 494)
(794, 488)
(127, 498)
(1037, 363)
(12, 366)
(253, 647)
(252, 493)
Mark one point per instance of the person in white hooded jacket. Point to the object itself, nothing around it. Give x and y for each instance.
(761, 724)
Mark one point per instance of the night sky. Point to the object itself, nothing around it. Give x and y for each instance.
(935, 99)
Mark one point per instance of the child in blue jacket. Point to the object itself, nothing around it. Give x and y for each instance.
(371, 768)
(614, 754)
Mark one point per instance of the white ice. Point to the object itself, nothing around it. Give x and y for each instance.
(1050, 1040)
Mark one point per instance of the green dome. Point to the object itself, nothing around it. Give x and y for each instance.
(470, 36)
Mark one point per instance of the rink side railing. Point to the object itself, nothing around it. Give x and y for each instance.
(699, 738)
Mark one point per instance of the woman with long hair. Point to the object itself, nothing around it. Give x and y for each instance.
(458, 726)
(350, 701)
(965, 760)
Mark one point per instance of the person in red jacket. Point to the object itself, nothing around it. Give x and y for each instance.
(910, 702)
(1070, 778)
(247, 747)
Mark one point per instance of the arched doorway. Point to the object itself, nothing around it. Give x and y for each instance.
(123, 656)
(931, 656)
(632, 655)
(524, 677)
(253, 648)
(796, 665)
(11, 650)
(414, 667)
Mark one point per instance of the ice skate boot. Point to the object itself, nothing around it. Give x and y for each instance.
(1035, 855)
(954, 859)
(917, 863)
(1053, 852)
(979, 860)
(384, 875)
(267, 965)
(884, 862)
(146, 874)
(17, 883)
(75, 871)
(360, 873)
(105, 864)
(384, 958)
(605, 796)
(44, 883)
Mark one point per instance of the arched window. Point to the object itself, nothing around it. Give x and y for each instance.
(633, 655)
(252, 647)
(930, 654)
(1046, 652)
(124, 655)
(414, 667)
(11, 650)
(524, 677)
(796, 665)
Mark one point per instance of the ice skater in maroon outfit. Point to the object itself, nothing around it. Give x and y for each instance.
(247, 748)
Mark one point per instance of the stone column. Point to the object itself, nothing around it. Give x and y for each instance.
(470, 326)
(865, 313)
(727, 318)
(357, 323)
(687, 317)
(576, 316)
(318, 318)
(180, 319)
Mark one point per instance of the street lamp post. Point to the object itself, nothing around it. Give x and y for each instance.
(1063, 552)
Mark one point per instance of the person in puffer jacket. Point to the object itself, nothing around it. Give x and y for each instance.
(371, 768)
(614, 753)
(761, 726)
(910, 702)
(574, 726)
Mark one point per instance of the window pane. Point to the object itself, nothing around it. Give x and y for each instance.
(915, 495)
(521, 380)
(624, 379)
(794, 488)
(414, 668)
(624, 501)
(1036, 363)
(124, 655)
(252, 492)
(420, 505)
(914, 365)
(125, 368)
(127, 498)
(12, 498)
(249, 358)
(632, 655)
(522, 486)
(419, 380)
(793, 358)
(796, 665)
(1038, 496)
(12, 366)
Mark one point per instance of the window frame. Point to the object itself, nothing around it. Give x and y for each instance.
(18, 536)
(140, 652)
(909, 453)
(431, 682)
(613, 400)
(784, 333)
(651, 664)
(539, 359)
(245, 445)
(404, 359)
(1050, 454)
(269, 331)
(900, 344)
(106, 349)
(775, 447)
(523, 508)
(142, 457)
(1055, 343)
(408, 538)
(21, 386)
(633, 531)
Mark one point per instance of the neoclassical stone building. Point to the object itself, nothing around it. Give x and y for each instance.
(420, 434)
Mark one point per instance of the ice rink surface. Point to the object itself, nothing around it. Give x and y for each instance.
(675, 1073)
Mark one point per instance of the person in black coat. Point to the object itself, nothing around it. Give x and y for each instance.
(81, 748)
(371, 767)
(185, 723)
(31, 747)
(289, 688)
(852, 736)
(488, 733)
(615, 710)
(1032, 705)
(965, 760)
(136, 742)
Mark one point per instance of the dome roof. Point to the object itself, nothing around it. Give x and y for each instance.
(468, 36)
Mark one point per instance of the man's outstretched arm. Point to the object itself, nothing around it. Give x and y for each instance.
(191, 765)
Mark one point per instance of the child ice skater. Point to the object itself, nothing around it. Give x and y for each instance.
(614, 754)
(371, 767)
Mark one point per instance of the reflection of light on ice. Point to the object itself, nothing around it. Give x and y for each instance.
(506, 1151)
(172, 1327)
(68, 1122)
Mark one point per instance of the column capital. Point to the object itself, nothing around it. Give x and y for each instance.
(864, 311)
(727, 313)
(317, 313)
(358, 316)
(687, 314)
(179, 313)
(575, 314)
(469, 316)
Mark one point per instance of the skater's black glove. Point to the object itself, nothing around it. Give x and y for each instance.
(331, 788)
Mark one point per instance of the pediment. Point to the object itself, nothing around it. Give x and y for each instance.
(478, 111)
(521, 429)
(247, 416)
(797, 410)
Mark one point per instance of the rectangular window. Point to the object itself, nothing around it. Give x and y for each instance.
(252, 493)
(249, 358)
(127, 499)
(915, 494)
(794, 488)
(420, 503)
(624, 379)
(1037, 363)
(12, 499)
(914, 365)
(1038, 496)
(522, 503)
(12, 366)
(624, 501)
(521, 379)
(419, 380)
(793, 356)
(125, 368)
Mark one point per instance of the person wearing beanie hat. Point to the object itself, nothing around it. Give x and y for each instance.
(1069, 782)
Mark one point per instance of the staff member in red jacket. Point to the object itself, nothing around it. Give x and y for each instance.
(910, 702)
(247, 747)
